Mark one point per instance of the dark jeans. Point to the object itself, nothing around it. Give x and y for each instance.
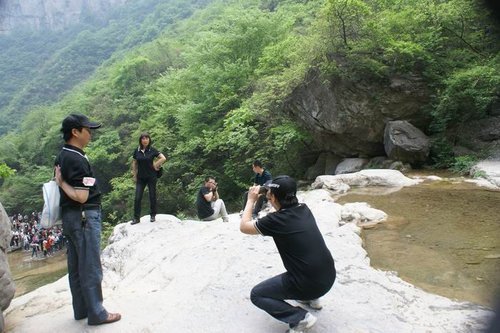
(258, 204)
(139, 191)
(84, 263)
(269, 295)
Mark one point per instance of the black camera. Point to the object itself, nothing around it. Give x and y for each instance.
(262, 190)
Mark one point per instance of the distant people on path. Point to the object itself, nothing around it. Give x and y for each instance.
(310, 269)
(261, 177)
(208, 203)
(146, 163)
(34, 246)
(81, 218)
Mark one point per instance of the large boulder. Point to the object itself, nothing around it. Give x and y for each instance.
(348, 118)
(7, 287)
(404, 142)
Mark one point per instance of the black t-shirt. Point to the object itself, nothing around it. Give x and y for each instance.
(145, 160)
(204, 207)
(74, 168)
(309, 263)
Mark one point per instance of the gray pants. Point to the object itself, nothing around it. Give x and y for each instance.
(219, 210)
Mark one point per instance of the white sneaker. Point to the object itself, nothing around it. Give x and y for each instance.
(306, 323)
(313, 304)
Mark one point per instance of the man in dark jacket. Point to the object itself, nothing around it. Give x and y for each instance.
(310, 269)
(262, 176)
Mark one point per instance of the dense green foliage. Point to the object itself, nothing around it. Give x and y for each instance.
(5, 171)
(211, 87)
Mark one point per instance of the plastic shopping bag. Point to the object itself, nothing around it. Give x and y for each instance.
(51, 214)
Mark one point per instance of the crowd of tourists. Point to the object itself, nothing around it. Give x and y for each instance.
(27, 234)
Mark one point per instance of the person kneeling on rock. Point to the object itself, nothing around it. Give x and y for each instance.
(310, 269)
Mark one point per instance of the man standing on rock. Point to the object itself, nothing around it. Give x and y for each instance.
(81, 217)
(310, 269)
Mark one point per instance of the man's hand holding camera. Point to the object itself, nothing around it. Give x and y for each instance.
(214, 187)
(254, 192)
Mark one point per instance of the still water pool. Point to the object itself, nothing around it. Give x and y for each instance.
(442, 236)
(31, 273)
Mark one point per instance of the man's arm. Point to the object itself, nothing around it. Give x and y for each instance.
(77, 195)
(209, 196)
(247, 224)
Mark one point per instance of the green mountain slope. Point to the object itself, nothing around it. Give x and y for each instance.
(211, 87)
(39, 67)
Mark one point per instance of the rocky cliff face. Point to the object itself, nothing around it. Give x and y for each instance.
(348, 118)
(50, 14)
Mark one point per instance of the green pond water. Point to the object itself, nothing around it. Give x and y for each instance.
(442, 236)
(32, 273)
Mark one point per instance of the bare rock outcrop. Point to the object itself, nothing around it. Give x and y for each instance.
(481, 135)
(348, 118)
(406, 143)
(326, 164)
(7, 288)
(51, 15)
(350, 165)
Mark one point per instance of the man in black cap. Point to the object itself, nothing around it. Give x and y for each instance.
(310, 269)
(81, 217)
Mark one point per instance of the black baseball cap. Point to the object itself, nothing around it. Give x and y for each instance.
(78, 121)
(282, 186)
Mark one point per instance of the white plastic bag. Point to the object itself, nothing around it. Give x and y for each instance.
(51, 214)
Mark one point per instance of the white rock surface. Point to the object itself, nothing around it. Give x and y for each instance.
(491, 170)
(368, 177)
(361, 214)
(189, 276)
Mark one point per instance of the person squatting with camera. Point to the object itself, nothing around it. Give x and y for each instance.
(310, 268)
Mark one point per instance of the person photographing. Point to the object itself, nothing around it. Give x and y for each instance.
(208, 203)
(310, 268)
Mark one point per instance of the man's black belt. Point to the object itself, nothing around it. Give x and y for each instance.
(91, 207)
